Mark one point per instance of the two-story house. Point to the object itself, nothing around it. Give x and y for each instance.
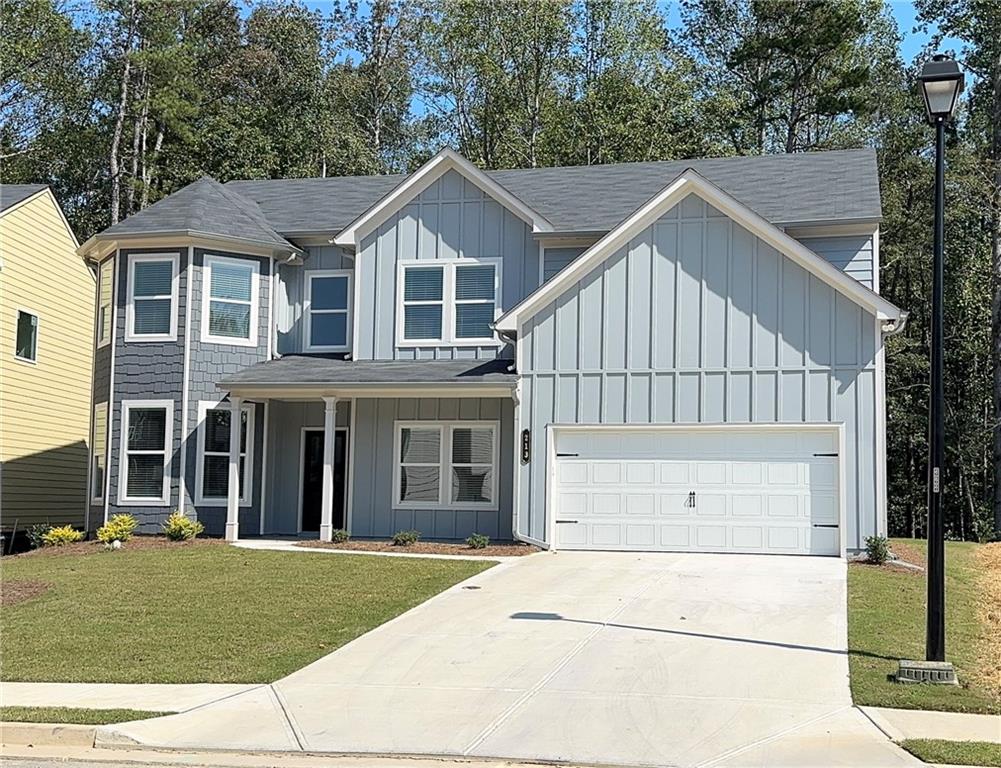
(671, 355)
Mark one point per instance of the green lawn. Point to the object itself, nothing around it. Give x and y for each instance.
(954, 752)
(72, 715)
(886, 622)
(206, 612)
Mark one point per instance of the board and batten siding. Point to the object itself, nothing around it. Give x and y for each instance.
(45, 409)
(290, 293)
(373, 455)
(287, 419)
(451, 219)
(698, 321)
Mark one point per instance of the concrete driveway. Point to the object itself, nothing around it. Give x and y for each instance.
(634, 659)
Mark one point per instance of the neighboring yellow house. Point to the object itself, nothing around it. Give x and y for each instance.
(47, 298)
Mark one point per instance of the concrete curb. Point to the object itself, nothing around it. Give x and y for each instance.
(48, 734)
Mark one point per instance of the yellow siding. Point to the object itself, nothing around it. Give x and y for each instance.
(45, 406)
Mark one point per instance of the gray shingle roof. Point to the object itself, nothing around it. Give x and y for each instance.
(818, 187)
(203, 207)
(12, 194)
(304, 370)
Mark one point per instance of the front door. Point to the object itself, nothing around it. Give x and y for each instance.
(312, 478)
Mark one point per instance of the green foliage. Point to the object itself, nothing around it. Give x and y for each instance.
(877, 549)
(36, 534)
(339, 535)
(406, 538)
(478, 541)
(63, 534)
(118, 528)
(75, 715)
(985, 754)
(179, 527)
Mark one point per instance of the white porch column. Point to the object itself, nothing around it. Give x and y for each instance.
(233, 488)
(327, 497)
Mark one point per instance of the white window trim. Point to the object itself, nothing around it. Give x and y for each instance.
(255, 299)
(130, 315)
(204, 406)
(38, 330)
(448, 314)
(308, 310)
(123, 471)
(97, 491)
(106, 264)
(444, 465)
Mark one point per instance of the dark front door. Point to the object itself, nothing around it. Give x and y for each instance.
(312, 479)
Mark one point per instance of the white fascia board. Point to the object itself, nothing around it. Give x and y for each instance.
(420, 180)
(687, 183)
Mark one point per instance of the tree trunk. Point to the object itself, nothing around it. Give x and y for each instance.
(996, 263)
(114, 169)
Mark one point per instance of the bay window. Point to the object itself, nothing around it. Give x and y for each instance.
(230, 301)
(212, 469)
(152, 297)
(147, 427)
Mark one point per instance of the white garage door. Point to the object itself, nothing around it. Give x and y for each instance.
(698, 489)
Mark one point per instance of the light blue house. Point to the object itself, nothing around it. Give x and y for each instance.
(653, 356)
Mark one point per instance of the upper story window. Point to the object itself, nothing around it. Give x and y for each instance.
(26, 342)
(448, 302)
(328, 310)
(230, 301)
(152, 297)
(105, 287)
(146, 439)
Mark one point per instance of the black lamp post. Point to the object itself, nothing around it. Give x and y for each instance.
(941, 83)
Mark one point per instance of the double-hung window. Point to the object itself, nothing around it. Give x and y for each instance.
(105, 285)
(152, 305)
(446, 465)
(231, 293)
(146, 439)
(212, 471)
(328, 310)
(450, 302)
(26, 341)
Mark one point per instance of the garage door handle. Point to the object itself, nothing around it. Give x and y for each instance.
(566, 455)
(825, 525)
(832, 455)
(560, 522)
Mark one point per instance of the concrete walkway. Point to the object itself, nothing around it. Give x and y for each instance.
(900, 724)
(146, 696)
(291, 545)
(607, 658)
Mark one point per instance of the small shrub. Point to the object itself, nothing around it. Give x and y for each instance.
(339, 535)
(877, 549)
(181, 528)
(36, 534)
(406, 538)
(118, 528)
(478, 541)
(64, 534)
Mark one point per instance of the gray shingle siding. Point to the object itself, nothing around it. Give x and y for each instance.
(208, 363)
(147, 371)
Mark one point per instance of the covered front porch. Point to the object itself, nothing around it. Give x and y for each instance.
(381, 453)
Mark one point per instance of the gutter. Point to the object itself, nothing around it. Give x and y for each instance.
(893, 327)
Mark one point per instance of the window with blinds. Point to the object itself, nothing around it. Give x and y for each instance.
(105, 286)
(230, 301)
(146, 439)
(212, 481)
(152, 304)
(446, 465)
(448, 302)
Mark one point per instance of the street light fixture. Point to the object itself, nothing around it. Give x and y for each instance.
(941, 83)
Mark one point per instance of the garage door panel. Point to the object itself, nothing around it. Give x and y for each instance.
(753, 491)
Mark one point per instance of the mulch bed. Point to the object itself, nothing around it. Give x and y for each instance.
(138, 542)
(908, 554)
(988, 560)
(511, 549)
(16, 591)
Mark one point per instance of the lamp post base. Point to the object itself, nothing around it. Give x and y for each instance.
(940, 672)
